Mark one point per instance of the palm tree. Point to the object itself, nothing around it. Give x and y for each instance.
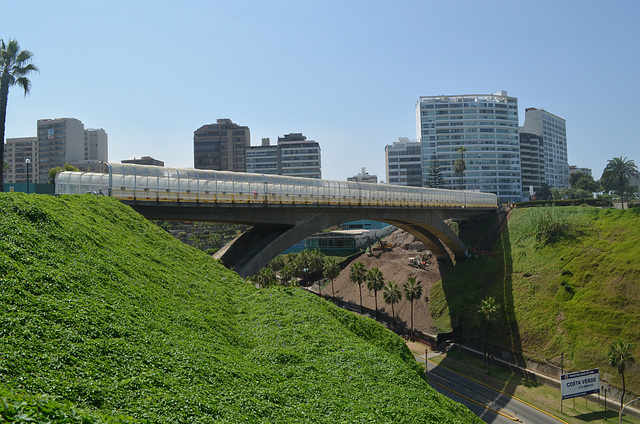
(375, 282)
(16, 66)
(287, 273)
(620, 356)
(358, 275)
(544, 193)
(265, 278)
(488, 309)
(459, 166)
(391, 296)
(620, 170)
(331, 270)
(315, 260)
(412, 291)
(296, 263)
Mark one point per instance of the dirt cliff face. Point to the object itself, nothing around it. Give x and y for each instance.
(394, 266)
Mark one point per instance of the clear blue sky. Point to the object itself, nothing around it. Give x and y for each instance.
(344, 73)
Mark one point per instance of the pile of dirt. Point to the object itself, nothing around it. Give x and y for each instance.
(395, 267)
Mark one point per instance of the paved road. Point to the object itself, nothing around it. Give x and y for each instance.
(488, 404)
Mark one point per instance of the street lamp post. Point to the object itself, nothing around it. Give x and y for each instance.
(622, 410)
(605, 390)
(27, 161)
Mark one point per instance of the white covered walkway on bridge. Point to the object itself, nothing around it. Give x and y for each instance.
(164, 184)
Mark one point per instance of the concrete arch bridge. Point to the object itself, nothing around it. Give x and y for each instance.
(281, 210)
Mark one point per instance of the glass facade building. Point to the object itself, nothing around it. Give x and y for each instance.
(532, 164)
(553, 131)
(487, 127)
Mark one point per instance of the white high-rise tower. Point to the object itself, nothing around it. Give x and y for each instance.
(486, 126)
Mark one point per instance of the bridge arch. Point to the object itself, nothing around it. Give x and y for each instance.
(276, 228)
(258, 246)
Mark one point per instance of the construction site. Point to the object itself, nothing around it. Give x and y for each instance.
(398, 256)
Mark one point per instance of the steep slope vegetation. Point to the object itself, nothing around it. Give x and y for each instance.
(568, 282)
(116, 321)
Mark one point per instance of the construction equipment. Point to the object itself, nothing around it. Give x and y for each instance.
(422, 261)
(382, 245)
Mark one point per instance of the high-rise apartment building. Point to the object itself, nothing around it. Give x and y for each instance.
(531, 164)
(96, 145)
(264, 159)
(60, 141)
(553, 131)
(221, 146)
(487, 127)
(403, 162)
(299, 157)
(16, 153)
(65, 140)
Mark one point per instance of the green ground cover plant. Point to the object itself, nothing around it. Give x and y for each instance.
(104, 317)
(568, 283)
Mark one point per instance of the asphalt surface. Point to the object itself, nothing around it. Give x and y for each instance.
(489, 404)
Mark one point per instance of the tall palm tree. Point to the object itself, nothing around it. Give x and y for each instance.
(358, 275)
(488, 310)
(620, 170)
(459, 166)
(375, 282)
(620, 356)
(331, 270)
(391, 296)
(16, 65)
(412, 291)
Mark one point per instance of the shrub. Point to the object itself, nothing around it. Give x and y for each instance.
(549, 226)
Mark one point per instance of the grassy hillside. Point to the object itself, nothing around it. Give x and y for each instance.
(568, 281)
(104, 317)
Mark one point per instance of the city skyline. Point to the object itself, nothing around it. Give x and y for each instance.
(348, 80)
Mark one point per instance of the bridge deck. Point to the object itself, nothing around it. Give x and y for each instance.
(151, 183)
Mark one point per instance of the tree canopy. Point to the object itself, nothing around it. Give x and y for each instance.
(619, 357)
(15, 65)
(412, 291)
(358, 275)
(435, 178)
(54, 171)
(391, 296)
(582, 181)
(617, 174)
(375, 282)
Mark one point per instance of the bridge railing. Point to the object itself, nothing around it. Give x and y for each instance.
(160, 184)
